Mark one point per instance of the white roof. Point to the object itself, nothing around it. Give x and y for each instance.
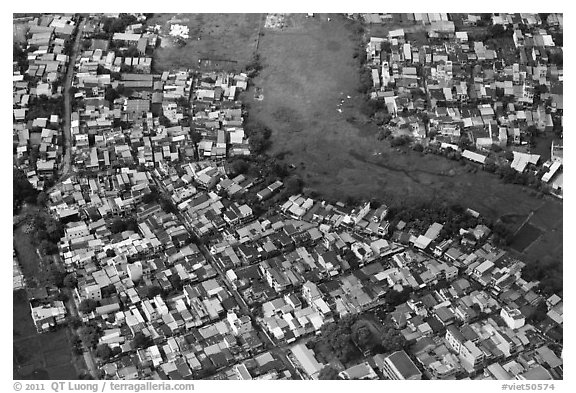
(474, 156)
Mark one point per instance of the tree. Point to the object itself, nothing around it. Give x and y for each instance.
(132, 51)
(418, 147)
(464, 143)
(328, 373)
(254, 66)
(111, 94)
(497, 31)
(141, 341)
(86, 306)
(195, 136)
(47, 247)
(239, 166)
(395, 298)
(23, 191)
(400, 141)
(57, 275)
(89, 334)
(54, 229)
(392, 340)
(117, 226)
(382, 118)
(258, 139)
(152, 291)
(70, 281)
(104, 352)
(42, 199)
(164, 121)
(110, 253)
(75, 323)
(363, 336)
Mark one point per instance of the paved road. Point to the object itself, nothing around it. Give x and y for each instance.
(67, 134)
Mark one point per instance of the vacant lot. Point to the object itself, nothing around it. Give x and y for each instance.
(33, 269)
(309, 73)
(525, 236)
(549, 246)
(38, 356)
(213, 36)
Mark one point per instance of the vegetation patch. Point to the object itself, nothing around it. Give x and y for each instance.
(525, 237)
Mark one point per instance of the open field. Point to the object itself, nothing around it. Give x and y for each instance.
(38, 356)
(525, 236)
(308, 69)
(214, 36)
(549, 246)
(35, 271)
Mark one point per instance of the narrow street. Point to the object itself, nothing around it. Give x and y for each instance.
(67, 131)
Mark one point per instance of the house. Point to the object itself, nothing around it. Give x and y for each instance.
(471, 357)
(307, 360)
(360, 371)
(454, 338)
(513, 317)
(398, 366)
(46, 314)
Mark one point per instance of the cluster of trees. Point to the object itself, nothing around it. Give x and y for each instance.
(111, 94)
(141, 341)
(239, 166)
(366, 82)
(105, 353)
(421, 215)
(328, 373)
(499, 31)
(43, 106)
(151, 291)
(47, 233)
(510, 175)
(502, 234)
(401, 140)
(20, 56)
(259, 136)
(118, 25)
(23, 190)
(86, 306)
(352, 332)
(548, 271)
(90, 334)
(123, 224)
(254, 66)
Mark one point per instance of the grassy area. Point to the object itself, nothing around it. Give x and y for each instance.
(215, 36)
(38, 356)
(549, 246)
(29, 260)
(525, 236)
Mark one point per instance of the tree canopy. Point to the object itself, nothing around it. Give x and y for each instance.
(328, 373)
(86, 306)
